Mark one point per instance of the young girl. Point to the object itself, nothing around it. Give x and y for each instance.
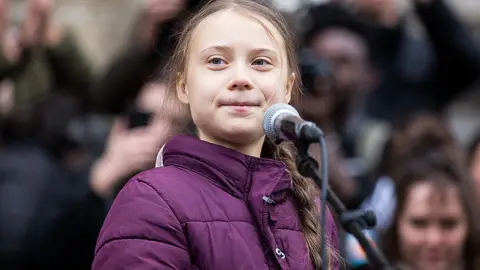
(436, 224)
(228, 198)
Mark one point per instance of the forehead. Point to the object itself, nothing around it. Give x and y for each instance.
(339, 41)
(236, 28)
(427, 199)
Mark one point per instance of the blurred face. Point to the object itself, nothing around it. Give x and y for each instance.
(432, 229)
(347, 53)
(236, 68)
(317, 104)
(476, 168)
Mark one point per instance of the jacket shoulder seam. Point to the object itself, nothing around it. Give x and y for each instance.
(161, 197)
(115, 239)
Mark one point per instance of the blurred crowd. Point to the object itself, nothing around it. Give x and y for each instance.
(70, 137)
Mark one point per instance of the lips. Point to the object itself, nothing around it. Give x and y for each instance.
(240, 104)
(240, 107)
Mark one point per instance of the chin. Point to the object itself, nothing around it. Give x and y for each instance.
(435, 265)
(242, 134)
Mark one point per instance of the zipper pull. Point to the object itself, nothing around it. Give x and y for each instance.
(268, 200)
(272, 218)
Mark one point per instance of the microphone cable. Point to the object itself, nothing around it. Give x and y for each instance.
(323, 200)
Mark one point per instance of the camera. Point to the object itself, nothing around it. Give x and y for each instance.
(138, 118)
(313, 67)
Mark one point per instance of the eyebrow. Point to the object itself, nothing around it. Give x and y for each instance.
(221, 48)
(264, 51)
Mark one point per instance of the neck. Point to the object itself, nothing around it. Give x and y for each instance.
(252, 149)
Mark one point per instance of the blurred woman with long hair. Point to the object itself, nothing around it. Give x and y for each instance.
(435, 224)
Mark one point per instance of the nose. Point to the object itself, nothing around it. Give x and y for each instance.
(240, 81)
(433, 237)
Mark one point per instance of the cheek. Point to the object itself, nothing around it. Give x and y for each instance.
(273, 87)
(275, 96)
(457, 238)
(202, 91)
(409, 236)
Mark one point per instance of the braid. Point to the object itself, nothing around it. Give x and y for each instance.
(305, 192)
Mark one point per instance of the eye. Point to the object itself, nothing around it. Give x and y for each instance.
(261, 62)
(449, 223)
(216, 61)
(419, 222)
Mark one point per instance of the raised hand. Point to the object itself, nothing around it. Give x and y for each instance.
(155, 13)
(161, 11)
(128, 151)
(381, 11)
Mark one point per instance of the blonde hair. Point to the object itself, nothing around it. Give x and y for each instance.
(304, 190)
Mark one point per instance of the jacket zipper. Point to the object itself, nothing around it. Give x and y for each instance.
(271, 257)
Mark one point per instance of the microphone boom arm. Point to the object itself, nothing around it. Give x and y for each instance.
(352, 222)
(283, 122)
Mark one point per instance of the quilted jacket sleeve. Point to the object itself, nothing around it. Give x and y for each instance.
(141, 232)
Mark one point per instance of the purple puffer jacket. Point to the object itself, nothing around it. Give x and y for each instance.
(209, 207)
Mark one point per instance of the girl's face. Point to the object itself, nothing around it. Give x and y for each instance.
(236, 68)
(432, 228)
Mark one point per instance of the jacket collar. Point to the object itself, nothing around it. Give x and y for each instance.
(232, 171)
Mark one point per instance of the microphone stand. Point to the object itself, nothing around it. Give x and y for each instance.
(352, 222)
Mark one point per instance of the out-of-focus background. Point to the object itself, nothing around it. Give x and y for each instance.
(117, 16)
(393, 83)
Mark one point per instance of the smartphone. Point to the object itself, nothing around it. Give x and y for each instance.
(139, 119)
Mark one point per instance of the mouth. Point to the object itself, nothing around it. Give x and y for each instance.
(240, 104)
(240, 107)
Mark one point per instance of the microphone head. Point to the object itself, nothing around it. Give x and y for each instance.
(272, 114)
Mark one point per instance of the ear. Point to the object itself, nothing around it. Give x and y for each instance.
(290, 83)
(181, 87)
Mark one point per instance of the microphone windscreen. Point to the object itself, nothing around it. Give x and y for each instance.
(271, 115)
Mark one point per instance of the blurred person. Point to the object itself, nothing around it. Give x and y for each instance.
(55, 194)
(436, 222)
(414, 139)
(411, 76)
(38, 56)
(334, 100)
(337, 38)
(418, 135)
(228, 197)
(49, 215)
(134, 143)
(150, 48)
(417, 138)
(474, 160)
(418, 75)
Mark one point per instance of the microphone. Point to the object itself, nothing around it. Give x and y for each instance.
(282, 122)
